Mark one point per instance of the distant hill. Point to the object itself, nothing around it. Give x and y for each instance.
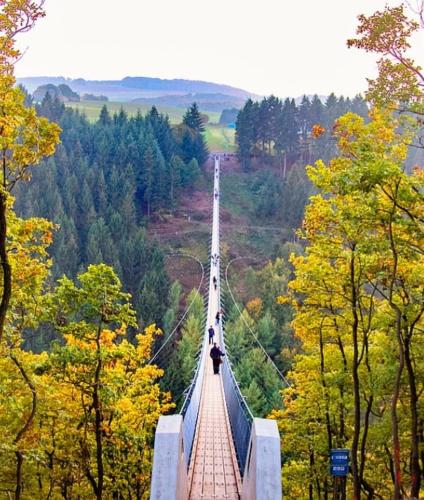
(63, 92)
(183, 86)
(130, 88)
(206, 102)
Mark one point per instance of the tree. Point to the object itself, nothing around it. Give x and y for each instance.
(25, 138)
(174, 306)
(162, 132)
(193, 143)
(355, 326)
(104, 117)
(182, 361)
(193, 118)
(92, 317)
(400, 80)
(304, 117)
(27, 243)
(246, 132)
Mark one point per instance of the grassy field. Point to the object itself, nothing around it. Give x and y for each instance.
(218, 138)
(92, 110)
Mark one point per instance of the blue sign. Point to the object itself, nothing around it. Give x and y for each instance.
(339, 470)
(339, 462)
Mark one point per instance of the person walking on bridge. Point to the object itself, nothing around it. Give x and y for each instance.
(211, 332)
(214, 282)
(216, 355)
(217, 317)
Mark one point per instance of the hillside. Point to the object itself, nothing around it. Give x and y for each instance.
(130, 88)
(207, 102)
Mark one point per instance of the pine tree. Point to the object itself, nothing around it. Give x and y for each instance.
(193, 119)
(104, 117)
(246, 133)
(304, 121)
(193, 144)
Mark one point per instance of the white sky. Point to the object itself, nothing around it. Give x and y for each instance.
(285, 47)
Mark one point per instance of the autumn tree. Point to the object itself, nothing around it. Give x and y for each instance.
(118, 400)
(27, 246)
(54, 403)
(358, 294)
(25, 138)
(400, 81)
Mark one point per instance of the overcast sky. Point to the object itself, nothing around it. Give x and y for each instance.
(285, 47)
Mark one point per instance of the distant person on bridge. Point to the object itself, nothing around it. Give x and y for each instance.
(217, 318)
(211, 332)
(215, 258)
(216, 355)
(214, 282)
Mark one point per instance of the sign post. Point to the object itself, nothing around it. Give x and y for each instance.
(339, 469)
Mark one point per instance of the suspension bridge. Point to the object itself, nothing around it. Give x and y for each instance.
(215, 448)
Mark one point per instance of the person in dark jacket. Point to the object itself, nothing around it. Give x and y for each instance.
(214, 282)
(211, 334)
(216, 354)
(217, 316)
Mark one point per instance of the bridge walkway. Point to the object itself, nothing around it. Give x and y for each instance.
(213, 469)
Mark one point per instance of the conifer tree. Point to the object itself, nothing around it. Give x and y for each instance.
(246, 133)
(193, 143)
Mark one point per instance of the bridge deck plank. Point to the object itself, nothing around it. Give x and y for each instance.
(213, 471)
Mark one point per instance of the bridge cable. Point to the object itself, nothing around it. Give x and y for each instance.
(188, 308)
(282, 377)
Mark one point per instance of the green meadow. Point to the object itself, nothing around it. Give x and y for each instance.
(92, 110)
(220, 138)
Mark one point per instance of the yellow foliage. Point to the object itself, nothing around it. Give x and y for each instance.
(254, 308)
(363, 229)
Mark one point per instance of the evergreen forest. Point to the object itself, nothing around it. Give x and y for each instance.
(106, 181)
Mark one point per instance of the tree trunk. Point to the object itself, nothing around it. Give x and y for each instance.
(24, 429)
(421, 435)
(395, 424)
(355, 376)
(342, 434)
(7, 271)
(98, 420)
(401, 354)
(324, 385)
(19, 462)
(368, 409)
(311, 486)
(415, 438)
(364, 438)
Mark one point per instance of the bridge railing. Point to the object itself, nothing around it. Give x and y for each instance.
(191, 405)
(239, 414)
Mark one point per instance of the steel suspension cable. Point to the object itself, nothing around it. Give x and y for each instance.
(187, 309)
(282, 377)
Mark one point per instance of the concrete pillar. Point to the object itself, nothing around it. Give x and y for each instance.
(169, 474)
(262, 474)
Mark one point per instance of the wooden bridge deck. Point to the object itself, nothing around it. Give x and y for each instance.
(213, 471)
